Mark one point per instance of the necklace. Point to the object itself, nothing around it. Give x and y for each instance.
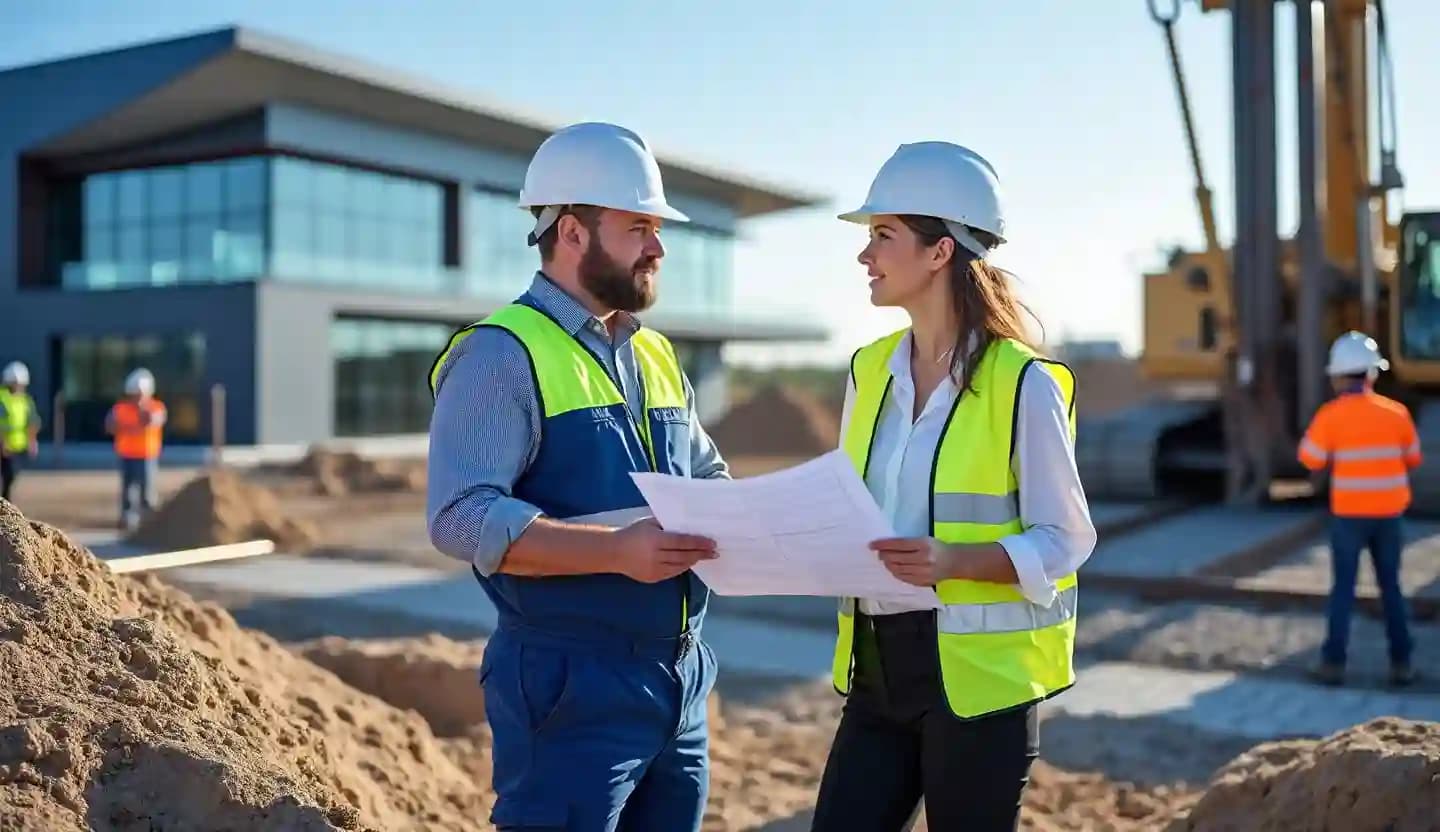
(944, 355)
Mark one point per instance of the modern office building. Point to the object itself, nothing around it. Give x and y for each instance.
(237, 209)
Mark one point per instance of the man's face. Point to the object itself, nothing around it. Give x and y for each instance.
(621, 264)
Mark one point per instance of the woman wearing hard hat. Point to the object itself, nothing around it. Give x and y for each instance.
(964, 435)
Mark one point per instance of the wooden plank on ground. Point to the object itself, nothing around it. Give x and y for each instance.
(190, 557)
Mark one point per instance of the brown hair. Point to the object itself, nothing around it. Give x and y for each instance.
(589, 216)
(981, 296)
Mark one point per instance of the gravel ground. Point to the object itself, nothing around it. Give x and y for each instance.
(1201, 636)
(1309, 566)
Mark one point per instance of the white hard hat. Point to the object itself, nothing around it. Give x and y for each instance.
(593, 163)
(140, 382)
(16, 373)
(1354, 353)
(938, 179)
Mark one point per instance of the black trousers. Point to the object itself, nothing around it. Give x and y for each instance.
(9, 470)
(898, 742)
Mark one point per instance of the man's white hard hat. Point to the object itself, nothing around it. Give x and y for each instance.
(140, 383)
(1354, 353)
(938, 179)
(15, 373)
(594, 163)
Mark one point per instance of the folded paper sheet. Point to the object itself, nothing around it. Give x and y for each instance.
(801, 531)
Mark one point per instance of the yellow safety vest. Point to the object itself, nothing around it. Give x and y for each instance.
(585, 419)
(998, 651)
(15, 413)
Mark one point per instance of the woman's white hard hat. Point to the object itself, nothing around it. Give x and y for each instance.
(942, 180)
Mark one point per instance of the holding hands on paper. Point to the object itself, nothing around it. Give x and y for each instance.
(925, 561)
(650, 554)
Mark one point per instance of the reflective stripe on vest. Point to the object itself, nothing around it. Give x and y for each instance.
(15, 411)
(997, 649)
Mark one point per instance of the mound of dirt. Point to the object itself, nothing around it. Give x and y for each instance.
(337, 473)
(220, 507)
(778, 421)
(1380, 775)
(433, 676)
(128, 706)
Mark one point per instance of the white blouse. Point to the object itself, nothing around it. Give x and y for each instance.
(1059, 535)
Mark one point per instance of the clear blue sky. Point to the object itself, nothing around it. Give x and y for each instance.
(1071, 100)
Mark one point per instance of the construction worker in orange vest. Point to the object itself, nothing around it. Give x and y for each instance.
(137, 422)
(1369, 444)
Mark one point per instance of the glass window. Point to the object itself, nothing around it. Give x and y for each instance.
(131, 185)
(292, 182)
(235, 219)
(203, 189)
(167, 193)
(92, 374)
(244, 185)
(380, 374)
(100, 199)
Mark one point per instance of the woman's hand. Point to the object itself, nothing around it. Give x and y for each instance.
(922, 561)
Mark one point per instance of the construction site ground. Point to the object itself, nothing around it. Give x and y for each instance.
(1197, 624)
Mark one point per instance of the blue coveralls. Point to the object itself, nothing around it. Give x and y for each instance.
(595, 696)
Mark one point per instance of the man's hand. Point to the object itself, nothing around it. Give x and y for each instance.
(649, 554)
(922, 561)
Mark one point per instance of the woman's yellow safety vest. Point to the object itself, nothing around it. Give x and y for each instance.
(998, 651)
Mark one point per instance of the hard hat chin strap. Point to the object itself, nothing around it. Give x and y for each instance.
(966, 239)
(548, 215)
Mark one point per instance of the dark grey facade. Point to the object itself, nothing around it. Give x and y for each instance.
(300, 229)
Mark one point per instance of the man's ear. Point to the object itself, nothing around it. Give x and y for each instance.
(572, 233)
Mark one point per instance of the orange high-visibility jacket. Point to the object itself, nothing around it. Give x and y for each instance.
(1370, 444)
(134, 440)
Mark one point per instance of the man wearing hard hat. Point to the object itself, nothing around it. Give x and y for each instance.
(19, 424)
(1369, 444)
(595, 679)
(137, 422)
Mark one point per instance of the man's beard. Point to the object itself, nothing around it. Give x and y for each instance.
(615, 285)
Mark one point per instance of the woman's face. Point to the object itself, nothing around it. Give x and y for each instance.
(902, 269)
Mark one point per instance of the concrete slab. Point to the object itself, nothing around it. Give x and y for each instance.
(1230, 704)
(1197, 541)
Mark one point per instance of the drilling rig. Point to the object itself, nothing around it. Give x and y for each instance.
(1240, 334)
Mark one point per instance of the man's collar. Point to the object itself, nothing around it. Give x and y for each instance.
(571, 314)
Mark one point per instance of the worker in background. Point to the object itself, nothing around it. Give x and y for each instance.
(19, 425)
(1369, 444)
(964, 435)
(595, 679)
(137, 422)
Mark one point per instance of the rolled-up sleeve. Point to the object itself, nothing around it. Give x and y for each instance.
(1059, 534)
(483, 435)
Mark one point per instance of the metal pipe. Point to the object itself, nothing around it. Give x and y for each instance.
(217, 424)
(1365, 255)
(1314, 290)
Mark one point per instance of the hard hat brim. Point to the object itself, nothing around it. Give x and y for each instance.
(1383, 365)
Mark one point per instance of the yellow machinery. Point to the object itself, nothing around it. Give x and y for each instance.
(1241, 334)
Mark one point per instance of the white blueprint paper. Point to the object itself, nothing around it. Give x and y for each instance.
(801, 531)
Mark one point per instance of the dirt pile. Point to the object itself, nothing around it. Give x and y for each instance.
(433, 676)
(338, 473)
(220, 507)
(129, 706)
(778, 421)
(1380, 775)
